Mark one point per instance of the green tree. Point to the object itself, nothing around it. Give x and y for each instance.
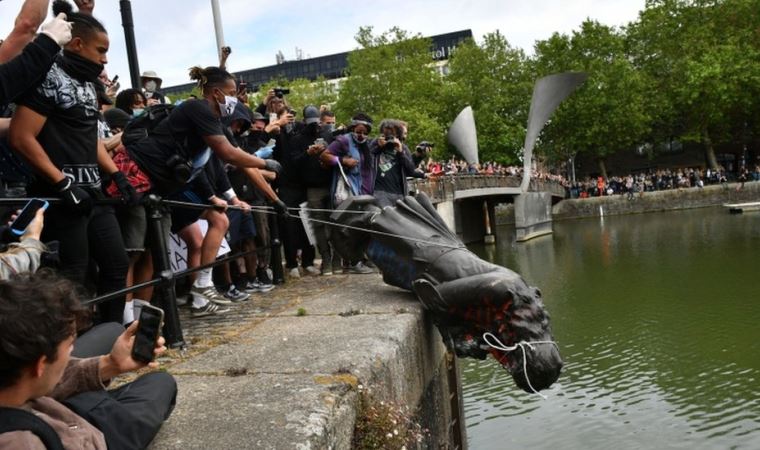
(494, 79)
(302, 92)
(609, 112)
(392, 76)
(702, 60)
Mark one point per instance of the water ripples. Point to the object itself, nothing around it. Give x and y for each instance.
(658, 355)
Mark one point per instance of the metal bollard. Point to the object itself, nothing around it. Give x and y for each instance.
(164, 292)
(278, 275)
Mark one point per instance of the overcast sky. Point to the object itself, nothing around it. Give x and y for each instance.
(173, 35)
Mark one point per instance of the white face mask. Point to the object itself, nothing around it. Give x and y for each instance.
(228, 106)
(360, 138)
(151, 86)
(137, 112)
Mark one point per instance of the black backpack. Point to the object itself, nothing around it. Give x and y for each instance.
(14, 419)
(146, 123)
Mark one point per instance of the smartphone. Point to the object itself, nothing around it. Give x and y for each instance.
(115, 79)
(151, 319)
(242, 87)
(25, 217)
(272, 117)
(320, 141)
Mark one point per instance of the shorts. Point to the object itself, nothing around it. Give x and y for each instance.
(241, 226)
(182, 216)
(134, 226)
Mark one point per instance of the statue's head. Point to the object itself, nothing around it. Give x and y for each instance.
(504, 317)
(525, 345)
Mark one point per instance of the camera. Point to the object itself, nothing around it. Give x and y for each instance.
(280, 92)
(389, 139)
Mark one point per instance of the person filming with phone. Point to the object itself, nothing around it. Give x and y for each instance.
(26, 254)
(49, 399)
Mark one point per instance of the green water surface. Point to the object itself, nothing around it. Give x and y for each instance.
(658, 321)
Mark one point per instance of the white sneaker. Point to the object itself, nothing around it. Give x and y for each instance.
(294, 273)
(311, 270)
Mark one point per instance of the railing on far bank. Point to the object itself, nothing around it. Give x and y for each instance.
(442, 188)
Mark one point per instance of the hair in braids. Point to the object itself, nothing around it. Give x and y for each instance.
(210, 77)
(83, 25)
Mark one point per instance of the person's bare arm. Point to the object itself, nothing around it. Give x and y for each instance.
(5, 125)
(112, 142)
(258, 180)
(85, 6)
(25, 126)
(104, 159)
(29, 19)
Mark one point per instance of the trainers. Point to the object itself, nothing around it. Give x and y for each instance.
(263, 277)
(209, 309)
(311, 270)
(294, 273)
(326, 269)
(360, 268)
(257, 286)
(235, 295)
(211, 294)
(182, 300)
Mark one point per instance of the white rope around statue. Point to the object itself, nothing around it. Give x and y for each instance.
(521, 345)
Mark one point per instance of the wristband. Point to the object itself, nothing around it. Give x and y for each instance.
(229, 194)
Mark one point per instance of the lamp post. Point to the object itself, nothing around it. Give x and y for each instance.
(218, 27)
(129, 39)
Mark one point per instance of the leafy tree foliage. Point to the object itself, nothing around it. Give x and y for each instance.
(609, 112)
(495, 80)
(391, 76)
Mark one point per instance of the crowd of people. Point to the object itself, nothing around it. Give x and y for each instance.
(68, 132)
(630, 184)
(655, 180)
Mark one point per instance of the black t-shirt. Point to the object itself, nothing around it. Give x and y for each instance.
(389, 177)
(70, 134)
(188, 124)
(181, 133)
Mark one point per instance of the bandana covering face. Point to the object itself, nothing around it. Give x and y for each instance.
(80, 68)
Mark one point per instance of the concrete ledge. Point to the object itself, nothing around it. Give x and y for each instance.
(291, 381)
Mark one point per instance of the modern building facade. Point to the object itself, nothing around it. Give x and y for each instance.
(331, 67)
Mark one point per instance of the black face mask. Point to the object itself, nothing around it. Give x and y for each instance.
(262, 136)
(80, 68)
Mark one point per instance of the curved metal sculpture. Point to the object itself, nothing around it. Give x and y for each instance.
(466, 296)
(463, 136)
(548, 93)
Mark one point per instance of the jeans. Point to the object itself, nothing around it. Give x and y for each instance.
(95, 236)
(130, 416)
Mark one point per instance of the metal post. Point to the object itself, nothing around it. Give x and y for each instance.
(457, 427)
(164, 292)
(129, 39)
(278, 275)
(489, 237)
(217, 13)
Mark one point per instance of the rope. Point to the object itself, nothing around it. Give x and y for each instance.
(381, 233)
(521, 345)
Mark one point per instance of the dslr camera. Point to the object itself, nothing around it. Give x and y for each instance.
(280, 92)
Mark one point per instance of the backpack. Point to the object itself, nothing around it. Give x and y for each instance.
(15, 419)
(152, 123)
(145, 124)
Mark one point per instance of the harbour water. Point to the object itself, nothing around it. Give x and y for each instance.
(658, 321)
